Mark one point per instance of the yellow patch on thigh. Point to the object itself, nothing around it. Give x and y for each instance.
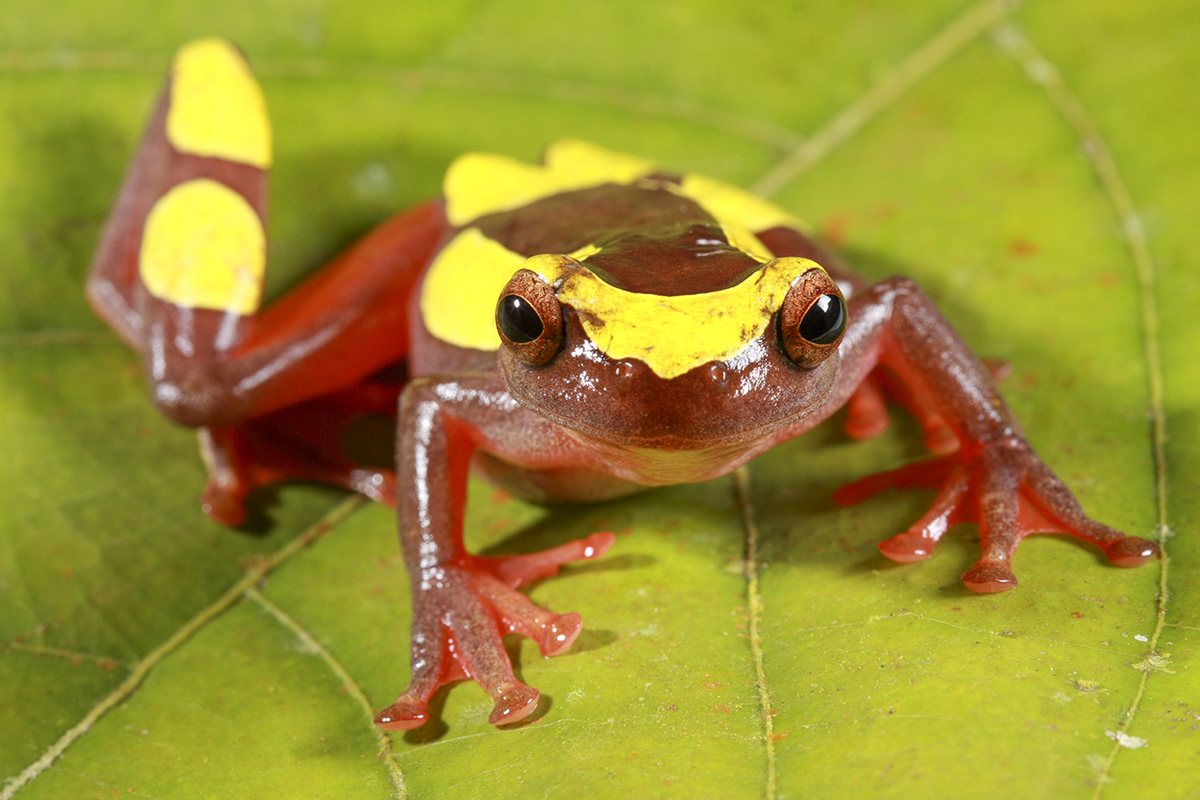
(204, 247)
(217, 108)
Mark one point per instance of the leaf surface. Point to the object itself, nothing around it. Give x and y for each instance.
(1030, 169)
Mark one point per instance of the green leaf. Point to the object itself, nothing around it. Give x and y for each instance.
(1032, 170)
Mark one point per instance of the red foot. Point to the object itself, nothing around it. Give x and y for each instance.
(461, 613)
(1010, 492)
(307, 441)
(868, 414)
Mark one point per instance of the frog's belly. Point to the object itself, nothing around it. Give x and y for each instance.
(603, 471)
(553, 485)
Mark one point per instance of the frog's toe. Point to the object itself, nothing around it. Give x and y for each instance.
(558, 635)
(402, 715)
(459, 627)
(554, 633)
(989, 577)
(907, 547)
(513, 703)
(1005, 488)
(524, 569)
(1131, 551)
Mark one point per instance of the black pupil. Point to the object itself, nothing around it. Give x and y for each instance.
(518, 320)
(824, 320)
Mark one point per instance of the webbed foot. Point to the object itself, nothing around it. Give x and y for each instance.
(462, 612)
(1010, 492)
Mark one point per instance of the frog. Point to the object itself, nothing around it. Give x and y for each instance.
(577, 330)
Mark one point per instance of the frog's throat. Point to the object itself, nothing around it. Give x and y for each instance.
(670, 334)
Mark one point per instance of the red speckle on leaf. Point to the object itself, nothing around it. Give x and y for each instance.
(1022, 248)
(834, 229)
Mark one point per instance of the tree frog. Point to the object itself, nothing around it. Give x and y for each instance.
(575, 330)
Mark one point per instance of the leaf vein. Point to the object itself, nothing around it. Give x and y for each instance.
(754, 603)
(142, 669)
(1045, 75)
(384, 742)
(960, 32)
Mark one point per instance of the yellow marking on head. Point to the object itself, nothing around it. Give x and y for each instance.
(484, 183)
(204, 247)
(217, 108)
(583, 252)
(727, 202)
(673, 334)
(458, 297)
(739, 212)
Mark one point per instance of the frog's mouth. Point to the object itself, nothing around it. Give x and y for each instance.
(715, 409)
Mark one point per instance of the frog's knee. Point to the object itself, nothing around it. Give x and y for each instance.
(196, 398)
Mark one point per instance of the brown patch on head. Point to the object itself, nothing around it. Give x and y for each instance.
(651, 240)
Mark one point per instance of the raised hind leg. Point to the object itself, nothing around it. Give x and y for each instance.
(180, 267)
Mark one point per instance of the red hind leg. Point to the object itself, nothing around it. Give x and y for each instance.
(179, 270)
(344, 439)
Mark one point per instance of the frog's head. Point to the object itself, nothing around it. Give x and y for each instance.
(675, 372)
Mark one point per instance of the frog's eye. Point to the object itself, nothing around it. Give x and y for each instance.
(812, 319)
(529, 318)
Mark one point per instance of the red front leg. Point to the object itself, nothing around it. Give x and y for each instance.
(994, 478)
(464, 604)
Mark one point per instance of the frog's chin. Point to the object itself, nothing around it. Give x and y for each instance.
(609, 439)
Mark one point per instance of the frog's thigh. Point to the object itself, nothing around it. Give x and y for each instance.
(188, 227)
(180, 268)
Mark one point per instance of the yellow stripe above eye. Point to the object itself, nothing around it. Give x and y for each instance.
(204, 247)
(217, 108)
